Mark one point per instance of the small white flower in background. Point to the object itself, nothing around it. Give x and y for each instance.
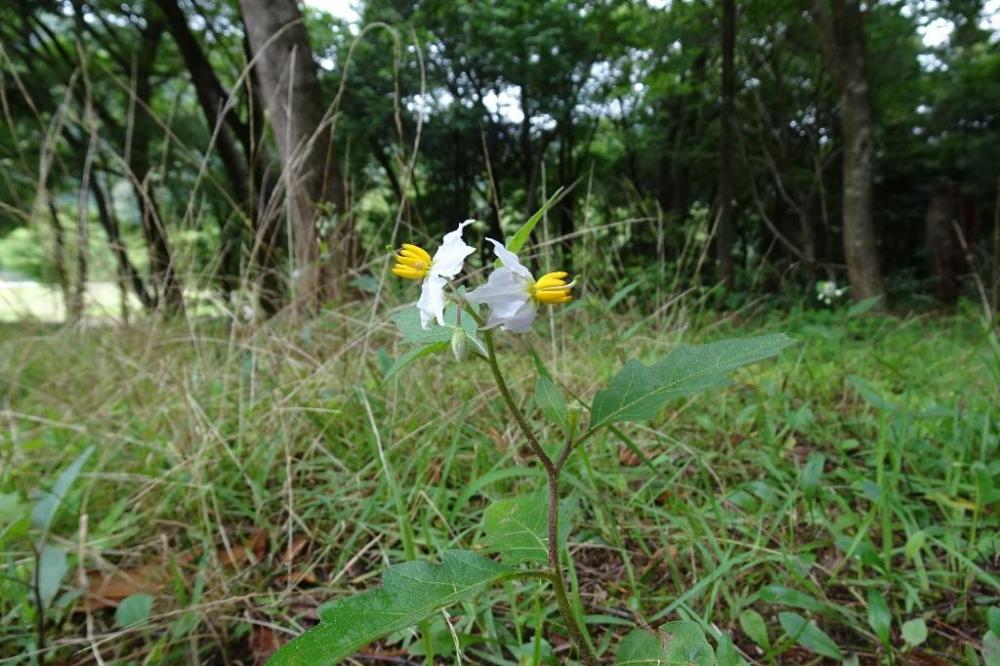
(513, 295)
(827, 291)
(415, 263)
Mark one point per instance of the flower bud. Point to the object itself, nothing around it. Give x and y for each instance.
(459, 344)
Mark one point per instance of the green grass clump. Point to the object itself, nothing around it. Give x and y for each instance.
(852, 483)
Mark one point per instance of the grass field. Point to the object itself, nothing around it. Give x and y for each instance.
(854, 482)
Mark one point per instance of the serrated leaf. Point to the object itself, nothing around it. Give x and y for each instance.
(914, 631)
(809, 636)
(134, 609)
(550, 400)
(409, 593)
(413, 355)
(879, 616)
(520, 237)
(778, 594)
(52, 567)
(517, 527)
(755, 628)
(48, 501)
(675, 643)
(639, 391)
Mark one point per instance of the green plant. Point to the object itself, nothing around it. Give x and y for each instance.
(528, 531)
(38, 587)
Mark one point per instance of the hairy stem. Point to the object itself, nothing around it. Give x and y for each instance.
(552, 471)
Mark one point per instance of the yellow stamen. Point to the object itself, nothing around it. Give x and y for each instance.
(552, 289)
(412, 262)
(416, 251)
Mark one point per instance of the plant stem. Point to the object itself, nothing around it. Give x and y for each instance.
(39, 605)
(552, 471)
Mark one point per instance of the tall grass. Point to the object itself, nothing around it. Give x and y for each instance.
(249, 473)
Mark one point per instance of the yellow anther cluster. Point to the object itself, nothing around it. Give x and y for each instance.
(412, 262)
(552, 288)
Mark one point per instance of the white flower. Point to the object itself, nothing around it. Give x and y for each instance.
(827, 291)
(513, 295)
(414, 263)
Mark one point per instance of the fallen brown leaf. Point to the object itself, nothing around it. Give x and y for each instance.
(108, 589)
(263, 643)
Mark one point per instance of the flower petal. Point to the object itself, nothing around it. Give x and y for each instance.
(451, 255)
(431, 303)
(504, 293)
(522, 320)
(509, 260)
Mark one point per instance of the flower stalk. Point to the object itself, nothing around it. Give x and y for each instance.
(552, 470)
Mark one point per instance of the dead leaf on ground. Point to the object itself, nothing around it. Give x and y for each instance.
(294, 549)
(263, 643)
(106, 589)
(627, 457)
(250, 553)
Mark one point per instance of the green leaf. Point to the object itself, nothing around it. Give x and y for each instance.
(863, 306)
(408, 323)
(48, 501)
(812, 473)
(777, 594)
(15, 519)
(879, 616)
(517, 527)
(725, 652)
(134, 609)
(413, 355)
(52, 567)
(991, 649)
(639, 391)
(755, 628)
(520, 237)
(809, 636)
(993, 619)
(550, 400)
(409, 593)
(681, 642)
(914, 631)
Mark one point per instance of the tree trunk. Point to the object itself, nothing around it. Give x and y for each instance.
(128, 274)
(233, 141)
(161, 263)
(724, 229)
(287, 76)
(842, 40)
(59, 252)
(943, 253)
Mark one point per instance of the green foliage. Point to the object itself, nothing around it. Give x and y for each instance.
(134, 609)
(48, 501)
(914, 631)
(53, 564)
(521, 236)
(879, 616)
(674, 643)
(517, 527)
(409, 593)
(432, 340)
(550, 401)
(809, 636)
(638, 392)
(753, 625)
